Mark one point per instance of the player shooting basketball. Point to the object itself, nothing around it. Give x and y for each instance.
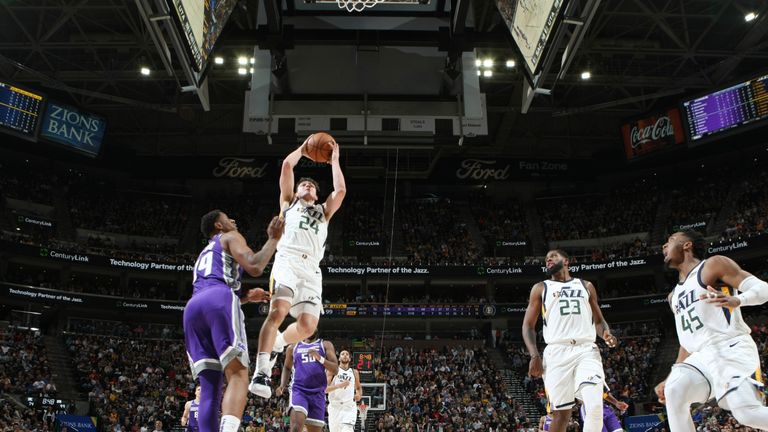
(296, 280)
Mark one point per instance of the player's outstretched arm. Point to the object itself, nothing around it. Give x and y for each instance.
(286, 173)
(535, 367)
(254, 262)
(185, 416)
(285, 376)
(601, 325)
(754, 291)
(334, 201)
(621, 406)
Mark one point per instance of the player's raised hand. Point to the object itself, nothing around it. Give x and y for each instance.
(610, 339)
(720, 299)
(659, 389)
(275, 228)
(314, 354)
(536, 367)
(335, 154)
(257, 295)
(303, 146)
(622, 406)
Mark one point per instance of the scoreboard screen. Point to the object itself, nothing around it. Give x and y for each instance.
(726, 109)
(363, 362)
(20, 111)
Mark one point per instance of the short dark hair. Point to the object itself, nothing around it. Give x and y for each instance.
(308, 179)
(208, 222)
(562, 253)
(699, 244)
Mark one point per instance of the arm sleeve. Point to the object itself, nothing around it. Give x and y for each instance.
(754, 292)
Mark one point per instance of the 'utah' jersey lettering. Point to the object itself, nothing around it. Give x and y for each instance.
(566, 312)
(306, 230)
(699, 323)
(215, 266)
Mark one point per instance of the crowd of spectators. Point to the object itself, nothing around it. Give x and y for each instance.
(499, 223)
(697, 206)
(24, 367)
(626, 210)
(453, 388)
(433, 233)
(751, 211)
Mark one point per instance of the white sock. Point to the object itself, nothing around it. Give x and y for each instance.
(262, 363)
(279, 342)
(229, 423)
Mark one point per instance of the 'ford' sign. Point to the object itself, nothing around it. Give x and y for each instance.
(67, 125)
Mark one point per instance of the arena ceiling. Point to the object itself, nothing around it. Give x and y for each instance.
(641, 54)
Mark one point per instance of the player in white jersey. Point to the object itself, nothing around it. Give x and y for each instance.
(571, 367)
(717, 356)
(344, 389)
(296, 280)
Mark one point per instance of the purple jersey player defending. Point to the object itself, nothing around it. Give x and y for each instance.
(214, 330)
(305, 364)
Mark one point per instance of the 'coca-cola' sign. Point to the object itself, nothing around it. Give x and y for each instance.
(652, 133)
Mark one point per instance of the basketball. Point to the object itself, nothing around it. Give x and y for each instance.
(320, 147)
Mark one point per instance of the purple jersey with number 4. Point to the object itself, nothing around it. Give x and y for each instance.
(214, 266)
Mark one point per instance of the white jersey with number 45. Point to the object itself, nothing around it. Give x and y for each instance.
(699, 323)
(306, 230)
(566, 312)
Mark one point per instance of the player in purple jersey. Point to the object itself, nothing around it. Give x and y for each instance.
(306, 363)
(611, 423)
(189, 418)
(214, 330)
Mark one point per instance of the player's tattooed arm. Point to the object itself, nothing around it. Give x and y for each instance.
(254, 262)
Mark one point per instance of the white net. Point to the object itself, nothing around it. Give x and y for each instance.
(363, 409)
(357, 5)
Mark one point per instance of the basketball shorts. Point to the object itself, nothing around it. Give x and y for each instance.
(303, 277)
(726, 365)
(568, 368)
(214, 329)
(312, 404)
(341, 413)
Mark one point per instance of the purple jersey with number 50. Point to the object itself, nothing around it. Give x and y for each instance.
(214, 266)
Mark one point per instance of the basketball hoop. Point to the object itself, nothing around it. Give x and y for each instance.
(363, 409)
(357, 5)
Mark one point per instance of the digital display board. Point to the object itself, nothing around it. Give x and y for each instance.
(201, 23)
(20, 111)
(726, 109)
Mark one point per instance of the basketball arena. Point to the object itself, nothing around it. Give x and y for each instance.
(383, 215)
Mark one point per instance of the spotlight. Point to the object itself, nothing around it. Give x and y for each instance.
(241, 71)
(586, 75)
(253, 60)
(487, 73)
(479, 72)
(145, 71)
(218, 60)
(478, 62)
(488, 63)
(242, 60)
(510, 63)
(750, 16)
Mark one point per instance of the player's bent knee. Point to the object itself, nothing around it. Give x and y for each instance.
(754, 416)
(685, 386)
